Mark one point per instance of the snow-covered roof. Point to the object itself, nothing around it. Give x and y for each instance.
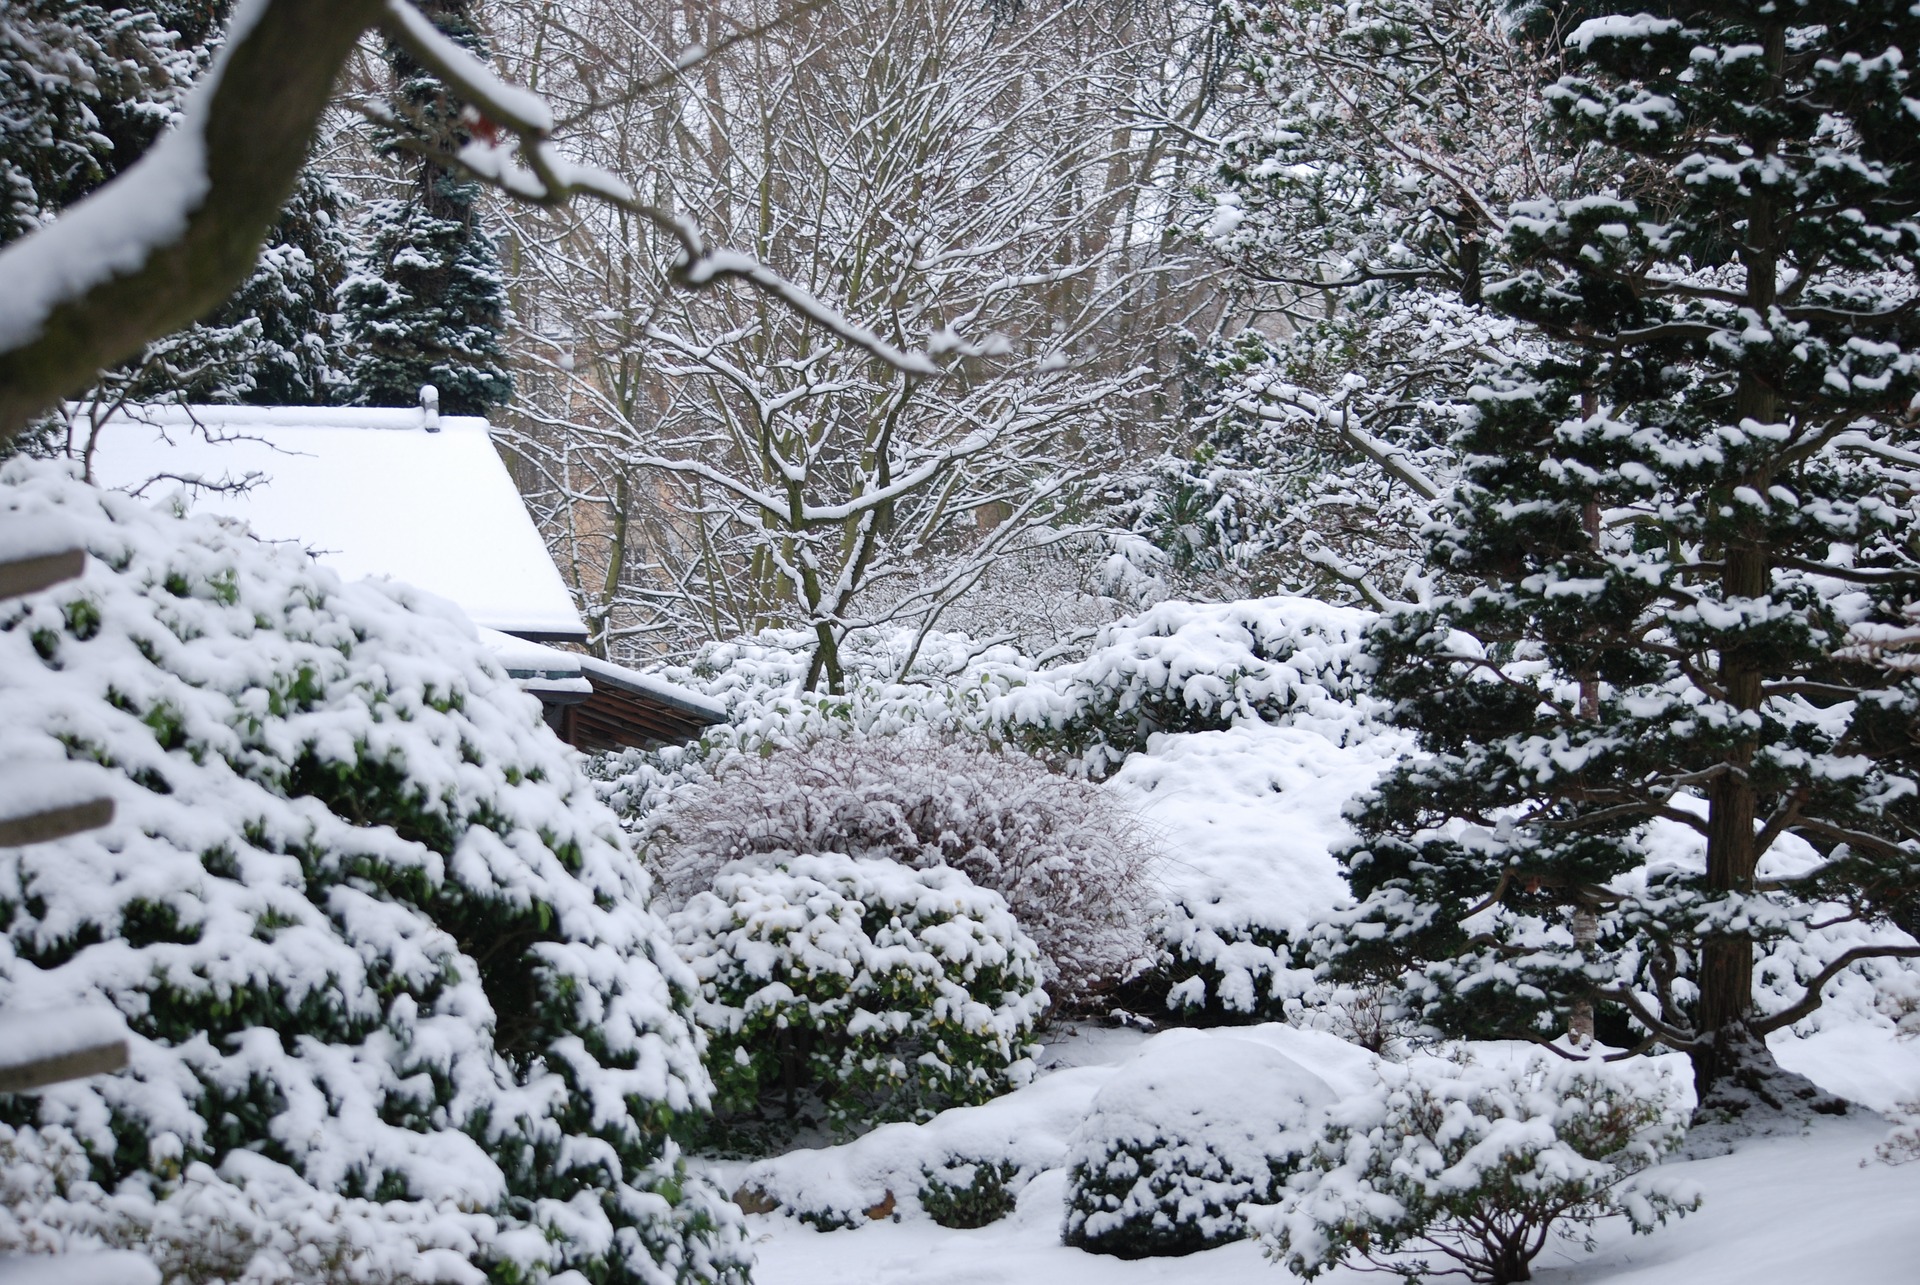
(370, 492)
(548, 669)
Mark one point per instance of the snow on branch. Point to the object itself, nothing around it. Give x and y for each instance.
(167, 241)
(541, 175)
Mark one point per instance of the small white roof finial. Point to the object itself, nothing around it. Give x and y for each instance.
(430, 407)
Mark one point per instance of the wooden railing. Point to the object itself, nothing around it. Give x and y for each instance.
(39, 803)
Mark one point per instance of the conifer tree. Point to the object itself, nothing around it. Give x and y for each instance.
(277, 341)
(427, 303)
(1695, 539)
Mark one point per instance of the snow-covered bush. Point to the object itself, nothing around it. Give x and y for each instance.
(1072, 861)
(1181, 1139)
(863, 988)
(400, 1009)
(1902, 1143)
(1469, 1170)
(1189, 667)
(1220, 972)
(971, 1193)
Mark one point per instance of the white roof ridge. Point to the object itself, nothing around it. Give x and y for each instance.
(185, 415)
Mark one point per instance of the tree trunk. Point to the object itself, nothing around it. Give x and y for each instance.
(1725, 1007)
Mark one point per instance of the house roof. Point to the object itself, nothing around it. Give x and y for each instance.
(601, 706)
(368, 491)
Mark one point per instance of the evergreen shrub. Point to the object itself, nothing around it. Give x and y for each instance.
(398, 1002)
(1463, 1170)
(1181, 1139)
(856, 991)
(1188, 667)
(970, 1194)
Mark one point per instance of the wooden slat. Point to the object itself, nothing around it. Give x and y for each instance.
(54, 823)
(76, 1064)
(611, 719)
(31, 575)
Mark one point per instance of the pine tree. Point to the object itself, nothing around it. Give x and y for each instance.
(1694, 533)
(276, 342)
(427, 303)
(84, 89)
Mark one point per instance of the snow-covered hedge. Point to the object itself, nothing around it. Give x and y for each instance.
(399, 1006)
(1189, 667)
(1072, 861)
(863, 988)
(1180, 666)
(1181, 1139)
(1473, 1170)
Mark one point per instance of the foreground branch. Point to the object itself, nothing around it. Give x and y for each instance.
(168, 241)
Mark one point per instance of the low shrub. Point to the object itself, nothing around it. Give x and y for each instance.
(1072, 863)
(1452, 1169)
(970, 1194)
(1183, 1137)
(855, 992)
(1902, 1143)
(1218, 972)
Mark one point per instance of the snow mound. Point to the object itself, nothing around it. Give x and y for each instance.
(1023, 1134)
(1181, 1138)
(399, 1006)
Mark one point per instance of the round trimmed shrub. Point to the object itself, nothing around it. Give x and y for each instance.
(1180, 1138)
(400, 1009)
(966, 1195)
(1072, 862)
(856, 991)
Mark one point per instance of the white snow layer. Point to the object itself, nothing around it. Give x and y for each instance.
(369, 492)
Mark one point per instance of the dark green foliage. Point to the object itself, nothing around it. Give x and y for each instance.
(344, 840)
(85, 89)
(1182, 1140)
(987, 1196)
(427, 303)
(1693, 530)
(852, 993)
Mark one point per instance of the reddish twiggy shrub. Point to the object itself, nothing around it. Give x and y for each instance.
(1072, 862)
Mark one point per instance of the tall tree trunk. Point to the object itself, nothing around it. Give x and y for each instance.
(1732, 1063)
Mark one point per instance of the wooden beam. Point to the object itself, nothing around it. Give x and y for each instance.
(54, 823)
(23, 576)
(54, 1045)
(73, 1064)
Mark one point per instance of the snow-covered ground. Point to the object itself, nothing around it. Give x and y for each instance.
(1792, 1211)
(1248, 815)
